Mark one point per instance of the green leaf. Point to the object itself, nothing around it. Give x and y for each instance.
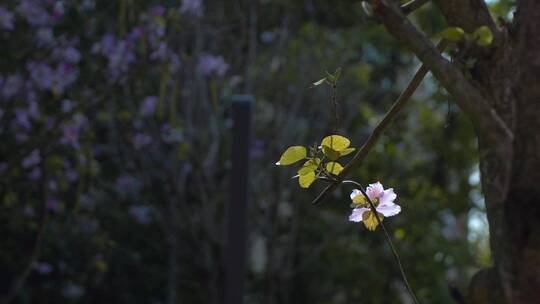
(330, 153)
(307, 179)
(452, 34)
(319, 82)
(334, 168)
(337, 74)
(370, 221)
(346, 152)
(309, 166)
(483, 36)
(336, 142)
(292, 155)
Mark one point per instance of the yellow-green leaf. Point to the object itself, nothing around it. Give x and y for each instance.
(331, 153)
(483, 36)
(334, 168)
(292, 155)
(360, 199)
(370, 221)
(452, 34)
(346, 151)
(307, 179)
(309, 166)
(336, 142)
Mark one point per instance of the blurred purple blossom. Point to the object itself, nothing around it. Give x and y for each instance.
(34, 13)
(33, 159)
(12, 85)
(43, 268)
(3, 167)
(148, 106)
(118, 52)
(141, 140)
(45, 36)
(33, 109)
(67, 105)
(210, 64)
(68, 54)
(135, 34)
(58, 10)
(192, 7)
(127, 186)
(22, 119)
(71, 174)
(29, 211)
(54, 79)
(161, 52)
(52, 204)
(6, 19)
(142, 214)
(71, 131)
(35, 174)
(157, 10)
(41, 73)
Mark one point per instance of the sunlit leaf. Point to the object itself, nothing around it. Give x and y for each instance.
(307, 179)
(330, 153)
(452, 34)
(370, 221)
(483, 36)
(319, 82)
(336, 142)
(309, 166)
(292, 155)
(346, 151)
(359, 199)
(334, 168)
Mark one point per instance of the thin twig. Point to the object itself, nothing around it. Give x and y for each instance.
(413, 5)
(334, 101)
(21, 279)
(380, 128)
(388, 240)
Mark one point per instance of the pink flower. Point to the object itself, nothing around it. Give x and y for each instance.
(381, 198)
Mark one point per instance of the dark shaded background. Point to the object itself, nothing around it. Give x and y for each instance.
(114, 158)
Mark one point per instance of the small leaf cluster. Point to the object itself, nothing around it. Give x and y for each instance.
(482, 36)
(320, 161)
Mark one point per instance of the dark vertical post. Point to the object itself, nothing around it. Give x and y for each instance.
(235, 255)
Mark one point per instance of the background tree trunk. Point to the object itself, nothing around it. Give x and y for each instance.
(510, 78)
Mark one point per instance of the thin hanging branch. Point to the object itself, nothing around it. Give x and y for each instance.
(396, 108)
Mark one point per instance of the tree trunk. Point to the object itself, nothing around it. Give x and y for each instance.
(510, 77)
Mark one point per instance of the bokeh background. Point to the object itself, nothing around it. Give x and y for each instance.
(115, 128)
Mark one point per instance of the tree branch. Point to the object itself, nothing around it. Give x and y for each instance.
(379, 129)
(487, 122)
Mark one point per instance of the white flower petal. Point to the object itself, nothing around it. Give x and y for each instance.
(388, 196)
(390, 209)
(375, 191)
(356, 215)
(355, 192)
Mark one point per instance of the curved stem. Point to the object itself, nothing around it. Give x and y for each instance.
(388, 239)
